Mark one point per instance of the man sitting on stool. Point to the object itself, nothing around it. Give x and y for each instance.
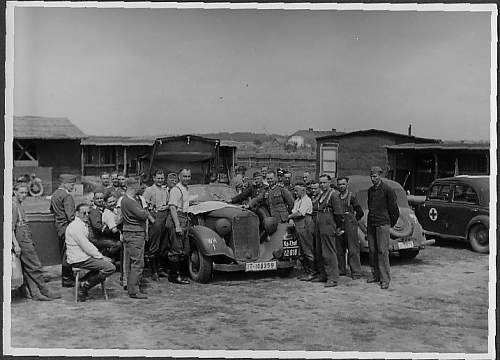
(81, 253)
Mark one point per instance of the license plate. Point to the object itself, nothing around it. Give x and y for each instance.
(405, 245)
(290, 248)
(294, 252)
(261, 266)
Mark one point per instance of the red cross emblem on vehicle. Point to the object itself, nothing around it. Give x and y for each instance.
(433, 214)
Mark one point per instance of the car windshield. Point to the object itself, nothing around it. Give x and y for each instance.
(213, 192)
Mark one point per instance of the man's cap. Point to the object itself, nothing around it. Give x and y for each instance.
(257, 173)
(376, 170)
(67, 178)
(172, 176)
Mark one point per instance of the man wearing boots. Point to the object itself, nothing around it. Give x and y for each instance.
(177, 225)
(277, 199)
(134, 235)
(326, 226)
(83, 254)
(301, 218)
(351, 214)
(383, 213)
(31, 265)
(62, 206)
(156, 196)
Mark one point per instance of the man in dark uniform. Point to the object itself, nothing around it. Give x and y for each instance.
(251, 191)
(383, 213)
(62, 206)
(278, 200)
(134, 235)
(326, 226)
(350, 215)
(287, 183)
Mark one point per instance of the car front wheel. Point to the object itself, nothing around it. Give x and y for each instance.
(200, 265)
(479, 239)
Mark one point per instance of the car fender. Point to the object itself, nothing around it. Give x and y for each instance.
(209, 242)
(479, 219)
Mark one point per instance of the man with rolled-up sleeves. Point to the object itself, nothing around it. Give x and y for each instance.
(383, 213)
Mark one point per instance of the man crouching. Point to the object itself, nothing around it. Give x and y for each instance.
(83, 254)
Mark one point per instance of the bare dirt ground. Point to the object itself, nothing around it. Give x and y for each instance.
(437, 302)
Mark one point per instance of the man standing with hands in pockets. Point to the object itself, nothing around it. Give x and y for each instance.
(383, 213)
(134, 236)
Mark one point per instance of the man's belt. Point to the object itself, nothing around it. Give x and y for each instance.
(324, 210)
(302, 217)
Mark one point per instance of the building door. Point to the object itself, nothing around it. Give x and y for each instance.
(328, 158)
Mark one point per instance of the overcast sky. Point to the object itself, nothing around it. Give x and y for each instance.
(171, 71)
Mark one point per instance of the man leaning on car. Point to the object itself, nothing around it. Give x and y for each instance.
(383, 213)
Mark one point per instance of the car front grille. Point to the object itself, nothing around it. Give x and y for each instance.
(246, 237)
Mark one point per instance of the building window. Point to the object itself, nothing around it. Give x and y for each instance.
(100, 155)
(328, 157)
(25, 150)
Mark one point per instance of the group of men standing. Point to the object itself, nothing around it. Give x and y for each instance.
(325, 218)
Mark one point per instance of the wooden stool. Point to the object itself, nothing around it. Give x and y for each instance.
(78, 272)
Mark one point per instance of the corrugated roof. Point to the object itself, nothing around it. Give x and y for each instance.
(119, 140)
(376, 131)
(38, 127)
(449, 145)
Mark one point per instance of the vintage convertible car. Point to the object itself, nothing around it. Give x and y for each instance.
(407, 236)
(227, 237)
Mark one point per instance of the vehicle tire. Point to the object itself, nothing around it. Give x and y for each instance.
(479, 239)
(285, 272)
(200, 265)
(36, 188)
(403, 228)
(408, 253)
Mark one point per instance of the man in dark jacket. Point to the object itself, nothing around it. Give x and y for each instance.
(277, 199)
(251, 191)
(348, 240)
(62, 206)
(134, 236)
(383, 213)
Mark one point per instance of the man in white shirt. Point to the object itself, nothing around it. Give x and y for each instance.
(177, 225)
(301, 219)
(83, 254)
(156, 196)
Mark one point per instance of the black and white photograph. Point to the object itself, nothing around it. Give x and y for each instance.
(258, 180)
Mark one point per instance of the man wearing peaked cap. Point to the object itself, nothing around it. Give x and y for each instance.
(62, 206)
(251, 191)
